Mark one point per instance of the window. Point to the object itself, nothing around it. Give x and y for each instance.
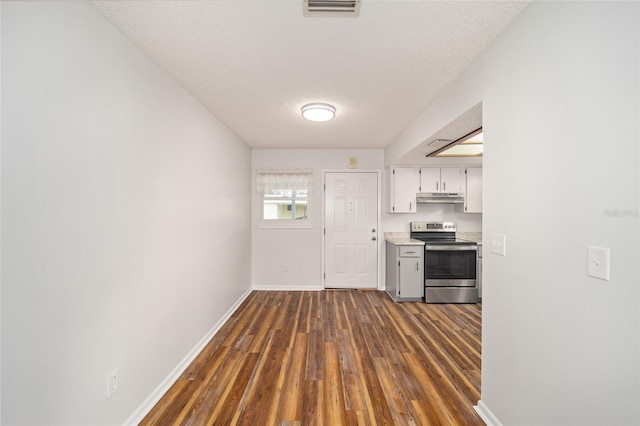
(285, 205)
(284, 196)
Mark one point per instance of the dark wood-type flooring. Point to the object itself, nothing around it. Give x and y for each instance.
(332, 358)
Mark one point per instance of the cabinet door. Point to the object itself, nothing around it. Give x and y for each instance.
(473, 190)
(430, 179)
(410, 281)
(391, 276)
(451, 179)
(404, 188)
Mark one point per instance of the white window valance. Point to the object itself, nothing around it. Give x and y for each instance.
(273, 181)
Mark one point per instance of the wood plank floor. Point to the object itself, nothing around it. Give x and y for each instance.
(333, 358)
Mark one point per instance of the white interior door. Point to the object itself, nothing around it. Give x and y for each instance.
(351, 230)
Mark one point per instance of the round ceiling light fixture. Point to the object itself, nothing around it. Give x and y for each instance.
(318, 112)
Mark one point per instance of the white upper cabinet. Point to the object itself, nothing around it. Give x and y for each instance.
(473, 190)
(442, 179)
(452, 179)
(404, 183)
(430, 179)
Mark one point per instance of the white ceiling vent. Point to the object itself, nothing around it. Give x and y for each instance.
(439, 142)
(435, 145)
(331, 8)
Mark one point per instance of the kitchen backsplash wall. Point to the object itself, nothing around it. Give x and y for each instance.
(399, 222)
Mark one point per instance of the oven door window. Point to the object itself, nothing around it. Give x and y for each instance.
(450, 264)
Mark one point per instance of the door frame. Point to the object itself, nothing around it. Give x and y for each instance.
(379, 241)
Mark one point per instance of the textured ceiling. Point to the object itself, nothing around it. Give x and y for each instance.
(254, 63)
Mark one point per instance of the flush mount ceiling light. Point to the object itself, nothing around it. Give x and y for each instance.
(318, 112)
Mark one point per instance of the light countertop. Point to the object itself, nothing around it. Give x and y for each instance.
(401, 239)
(476, 237)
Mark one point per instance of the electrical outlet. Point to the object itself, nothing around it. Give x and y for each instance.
(287, 267)
(112, 384)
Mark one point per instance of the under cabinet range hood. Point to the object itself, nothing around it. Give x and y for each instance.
(439, 198)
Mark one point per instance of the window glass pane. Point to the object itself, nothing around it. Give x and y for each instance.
(301, 210)
(278, 209)
(269, 210)
(285, 205)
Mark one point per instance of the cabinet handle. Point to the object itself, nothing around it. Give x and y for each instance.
(444, 186)
(410, 205)
(437, 183)
(417, 266)
(373, 238)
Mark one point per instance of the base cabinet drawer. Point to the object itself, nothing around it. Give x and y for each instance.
(410, 251)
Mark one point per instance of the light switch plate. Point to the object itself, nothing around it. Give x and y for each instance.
(599, 262)
(499, 244)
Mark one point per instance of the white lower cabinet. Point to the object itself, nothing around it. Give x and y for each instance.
(405, 272)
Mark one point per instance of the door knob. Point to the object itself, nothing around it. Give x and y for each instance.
(373, 238)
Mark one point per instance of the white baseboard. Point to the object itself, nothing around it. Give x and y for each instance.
(487, 416)
(280, 287)
(155, 396)
(287, 288)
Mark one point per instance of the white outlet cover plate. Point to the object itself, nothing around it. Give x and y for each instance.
(499, 244)
(599, 262)
(112, 384)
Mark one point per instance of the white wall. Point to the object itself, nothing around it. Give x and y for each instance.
(300, 248)
(1, 328)
(561, 128)
(561, 171)
(125, 218)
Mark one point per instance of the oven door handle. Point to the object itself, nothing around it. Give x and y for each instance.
(451, 248)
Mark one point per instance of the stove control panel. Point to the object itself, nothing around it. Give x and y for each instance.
(433, 227)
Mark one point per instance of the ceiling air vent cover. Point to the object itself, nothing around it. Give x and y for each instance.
(331, 7)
